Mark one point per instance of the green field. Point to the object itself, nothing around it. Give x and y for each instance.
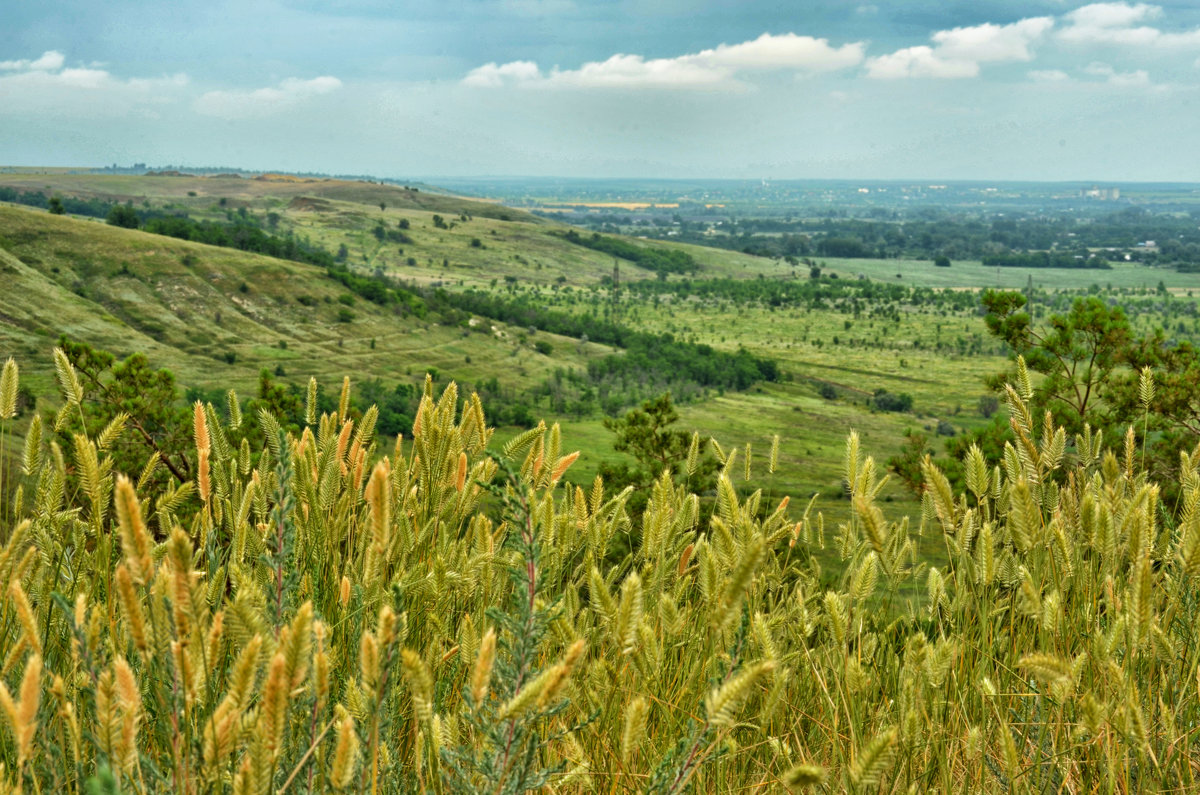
(217, 317)
(973, 275)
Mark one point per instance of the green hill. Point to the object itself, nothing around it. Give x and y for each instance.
(217, 316)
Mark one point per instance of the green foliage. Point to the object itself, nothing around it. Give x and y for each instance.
(1076, 353)
(1046, 259)
(647, 434)
(661, 261)
(883, 400)
(123, 215)
(243, 234)
(135, 394)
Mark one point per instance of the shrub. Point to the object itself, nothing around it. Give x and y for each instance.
(883, 400)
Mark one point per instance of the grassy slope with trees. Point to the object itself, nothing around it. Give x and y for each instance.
(837, 353)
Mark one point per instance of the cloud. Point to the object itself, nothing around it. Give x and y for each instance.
(1048, 76)
(1138, 78)
(264, 101)
(714, 68)
(51, 61)
(1121, 23)
(42, 86)
(988, 42)
(958, 52)
(492, 74)
(920, 61)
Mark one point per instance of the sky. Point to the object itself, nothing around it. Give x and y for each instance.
(774, 89)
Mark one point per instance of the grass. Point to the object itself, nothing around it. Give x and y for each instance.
(128, 291)
(337, 620)
(313, 612)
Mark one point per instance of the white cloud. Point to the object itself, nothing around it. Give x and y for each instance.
(264, 101)
(41, 85)
(1139, 78)
(51, 61)
(1048, 76)
(492, 74)
(787, 51)
(988, 42)
(1122, 23)
(958, 52)
(920, 61)
(718, 67)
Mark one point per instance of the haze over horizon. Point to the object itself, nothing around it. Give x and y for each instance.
(1038, 91)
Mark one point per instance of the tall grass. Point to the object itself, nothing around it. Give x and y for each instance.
(319, 616)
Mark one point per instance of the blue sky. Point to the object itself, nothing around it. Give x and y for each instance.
(587, 88)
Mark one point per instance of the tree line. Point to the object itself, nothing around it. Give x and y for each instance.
(661, 261)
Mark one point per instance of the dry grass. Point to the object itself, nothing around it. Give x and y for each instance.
(316, 616)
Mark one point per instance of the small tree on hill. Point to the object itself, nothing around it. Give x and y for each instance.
(123, 215)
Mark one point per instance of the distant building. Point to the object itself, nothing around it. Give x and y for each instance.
(1103, 194)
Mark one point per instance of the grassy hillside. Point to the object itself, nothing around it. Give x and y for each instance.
(217, 316)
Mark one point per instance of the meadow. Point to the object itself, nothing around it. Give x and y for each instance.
(218, 317)
(293, 600)
(451, 617)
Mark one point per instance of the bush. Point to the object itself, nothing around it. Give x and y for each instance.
(123, 215)
(345, 315)
(827, 391)
(883, 400)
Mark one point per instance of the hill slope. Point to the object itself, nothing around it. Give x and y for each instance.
(217, 316)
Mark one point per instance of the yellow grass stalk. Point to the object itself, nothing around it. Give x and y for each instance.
(722, 702)
(8, 390)
(129, 702)
(634, 729)
(25, 616)
(132, 607)
(202, 482)
(345, 755)
(481, 672)
(135, 539)
(200, 427)
(460, 475)
(420, 685)
(22, 713)
(273, 709)
(344, 400)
